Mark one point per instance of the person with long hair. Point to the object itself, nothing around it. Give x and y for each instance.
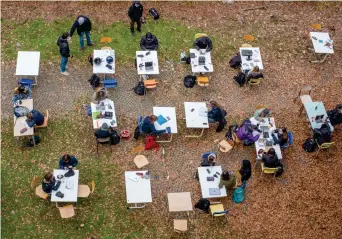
(227, 179)
(282, 138)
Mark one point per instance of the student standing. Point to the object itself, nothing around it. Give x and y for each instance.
(135, 12)
(63, 43)
(83, 26)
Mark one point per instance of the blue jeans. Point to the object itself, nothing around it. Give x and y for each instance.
(64, 62)
(88, 39)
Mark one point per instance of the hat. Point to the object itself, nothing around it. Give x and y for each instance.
(266, 111)
(80, 20)
(212, 155)
(104, 126)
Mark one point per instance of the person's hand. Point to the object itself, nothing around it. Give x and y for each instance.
(70, 166)
(90, 32)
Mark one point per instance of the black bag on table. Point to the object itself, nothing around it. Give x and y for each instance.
(240, 79)
(154, 14)
(235, 62)
(309, 145)
(139, 89)
(189, 81)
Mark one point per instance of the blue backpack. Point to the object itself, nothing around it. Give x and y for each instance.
(239, 193)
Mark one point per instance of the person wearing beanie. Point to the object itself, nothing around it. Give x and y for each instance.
(208, 159)
(149, 42)
(104, 132)
(83, 26)
(262, 113)
(135, 13)
(63, 43)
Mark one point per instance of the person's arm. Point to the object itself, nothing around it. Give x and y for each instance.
(155, 131)
(61, 163)
(73, 28)
(142, 44)
(253, 138)
(209, 45)
(130, 10)
(156, 43)
(30, 123)
(142, 11)
(74, 161)
(89, 24)
(196, 44)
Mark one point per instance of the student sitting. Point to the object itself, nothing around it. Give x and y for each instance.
(149, 42)
(67, 161)
(254, 74)
(245, 170)
(99, 95)
(335, 115)
(216, 114)
(261, 113)
(49, 183)
(270, 159)
(104, 132)
(227, 179)
(245, 133)
(203, 43)
(322, 135)
(148, 126)
(34, 118)
(22, 93)
(282, 138)
(208, 159)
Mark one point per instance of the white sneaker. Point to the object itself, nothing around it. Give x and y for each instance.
(65, 73)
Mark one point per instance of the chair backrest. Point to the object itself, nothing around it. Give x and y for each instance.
(261, 107)
(41, 193)
(105, 39)
(67, 211)
(246, 45)
(268, 170)
(203, 80)
(316, 26)
(290, 137)
(307, 89)
(218, 214)
(325, 145)
(149, 84)
(255, 81)
(92, 186)
(198, 35)
(34, 182)
(248, 37)
(106, 48)
(103, 140)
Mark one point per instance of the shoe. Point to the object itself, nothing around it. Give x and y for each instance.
(65, 73)
(139, 30)
(91, 44)
(82, 48)
(132, 33)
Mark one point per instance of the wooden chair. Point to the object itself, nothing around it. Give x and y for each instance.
(198, 35)
(83, 191)
(246, 45)
(217, 210)
(140, 161)
(150, 84)
(261, 107)
(248, 37)
(203, 80)
(38, 189)
(324, 146)
(252, 82)
(268, 170)
(92, 186)
(67, 211)
(46, 119)
(101, 141)
(316, 26)
(224, 146)
(106, 40)
(304, 98)
(180, 225)
(106, 48)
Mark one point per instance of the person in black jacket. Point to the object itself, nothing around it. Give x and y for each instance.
(255, 73)
(83, 26)
(63, 43)
(49, 183)
(149, 42)
(104, 132)
(246, 170)
(322, 135)
(335, 115)
(203, 43)
(270, 159)
(135, 12)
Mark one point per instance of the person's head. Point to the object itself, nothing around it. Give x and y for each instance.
(48, 176)
(265, 113)
(246, 164)
(66, 158)
(19, 90)
(153, 118)
(149, 36)
(271, 151)
(225, 175)
(65, 35)
(101, 94)
(256, 69)
(214, 104)
(136, 3)
(104, 126)
(211, 158)
(80, 20)
(30, 115)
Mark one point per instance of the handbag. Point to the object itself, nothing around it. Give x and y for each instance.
(150, 143)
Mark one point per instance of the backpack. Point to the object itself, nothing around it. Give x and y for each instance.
(115, 138)
(235, 62)
(94, 81)
(20, 111)
(231, 130)
(139, 89)
(136, 133)
(90, 58)
(189, 81)
(309, 145)
(240, 79)
(150, 143)
(239, 193)
(203, 205)
(30, 143)
(154, 14)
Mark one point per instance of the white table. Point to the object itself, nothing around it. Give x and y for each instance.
(314, 109)
(138, 190)
(20, 123)
(319, 41)
(205, 185)
(196, 116)
(258, 144)
(195, 67)
(255, 59)
(179, 202)
(98, 122)
(102, 69)
(70, 195)
(172, 123)
(28, 64)
(151, 57)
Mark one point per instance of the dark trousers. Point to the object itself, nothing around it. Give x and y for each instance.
(138, 25)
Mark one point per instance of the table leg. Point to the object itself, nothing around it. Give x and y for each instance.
(16, 140)
(136, 206)
(320, 61)
(36, 79)
(34, 142)
(165, 141)
(195, 136)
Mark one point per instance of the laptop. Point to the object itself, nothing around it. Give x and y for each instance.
(149, 66)
(214, 191)
(201, 60)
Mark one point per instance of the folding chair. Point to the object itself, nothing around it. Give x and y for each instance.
(217, 210)
(38, 189)
(102, 141)
(198, 35)
(67, 211)
(202, 80)
(140, 161)
(46, 119)
(224, 146)
(246, 45)
(150, 84)
(106, 48)
(268, 170)
(84, 190)
(252, 82)
(324, 146)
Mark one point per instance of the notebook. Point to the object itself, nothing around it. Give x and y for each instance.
(214, 191)
(161, 120)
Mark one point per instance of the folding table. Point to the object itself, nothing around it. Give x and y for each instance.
(69, 186)
(317, 114)
(147, 63)
(322, 44)
(28, 64)
(196, 116)
(206, 185)
(166, 112)
(96, 109)
(197, 66)
(101, 68)
(138, 189)
(248, 63)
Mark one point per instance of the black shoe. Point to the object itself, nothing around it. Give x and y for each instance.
(139, 30)
(132, 33)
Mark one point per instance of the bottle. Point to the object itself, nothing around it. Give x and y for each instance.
(147, 175)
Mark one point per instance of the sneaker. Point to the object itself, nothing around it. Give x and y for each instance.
(65, 73)
(82, 48)
(91, 44)
(132, 33)
(139, 30)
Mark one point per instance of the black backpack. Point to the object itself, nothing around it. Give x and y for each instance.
(154, 14)
(139, 89)
(189, 81)
(309, 145)
(240, 79)
(115, 138)
(203, 205)
(235, 62)
(94, 81)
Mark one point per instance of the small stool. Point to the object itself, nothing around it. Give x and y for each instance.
(125, 134)
(224, 146)
(180, 225)
(140, 161)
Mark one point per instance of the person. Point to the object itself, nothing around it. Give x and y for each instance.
(261, 113)
(245, 133)
(282, 138)
(83, 26)
(270, 158)
(208, 159)
(322, 135)
(254, 74)
(67, 161)
(135, 12)
(216, 114)
(104, 132)
(34, 117)
(227, 179)
(203, 43)
(99, 95)
(49, 183)
(245, 170)
(63, 43)
(148, 126)
(335, 115)
(21, 93)
(149, 42)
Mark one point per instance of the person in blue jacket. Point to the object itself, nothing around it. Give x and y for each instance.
(216, 114)
(34, 118)
(148, 126)
(67, 161)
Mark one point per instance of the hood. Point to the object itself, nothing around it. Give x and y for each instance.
(246, 163)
